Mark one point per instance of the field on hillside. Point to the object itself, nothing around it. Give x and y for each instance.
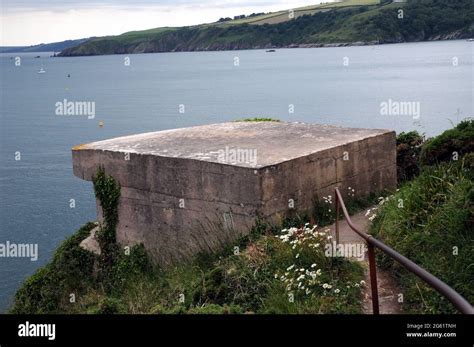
(283, 16)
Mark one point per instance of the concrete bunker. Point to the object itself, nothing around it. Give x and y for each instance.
(184, 191)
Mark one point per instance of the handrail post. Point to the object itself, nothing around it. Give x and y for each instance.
(337, 216)
(373, 278)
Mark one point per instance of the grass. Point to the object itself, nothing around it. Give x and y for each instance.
(248, 281)
(430, 221)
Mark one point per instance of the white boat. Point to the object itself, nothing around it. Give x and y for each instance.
(41, 70)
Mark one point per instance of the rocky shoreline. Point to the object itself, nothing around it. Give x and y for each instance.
(147, 49)
(335, 44)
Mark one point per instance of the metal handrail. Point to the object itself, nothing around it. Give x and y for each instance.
(449, 293)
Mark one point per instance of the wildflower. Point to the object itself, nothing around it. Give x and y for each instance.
(362, 283)
(337, 291)
(297, 256)
(276, 275)
(290, 267)
(313, 265)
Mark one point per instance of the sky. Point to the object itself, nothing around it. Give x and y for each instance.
(30, 22)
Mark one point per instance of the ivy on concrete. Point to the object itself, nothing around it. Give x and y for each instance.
(107, 191)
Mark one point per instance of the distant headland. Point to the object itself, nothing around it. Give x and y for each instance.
(344, 23)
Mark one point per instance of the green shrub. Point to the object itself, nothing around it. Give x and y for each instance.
(40, 293)
(70, 271)
(73, 263)
(442, 148)
(408, 155)
(469, 163)
(111, 306)
(130, 266)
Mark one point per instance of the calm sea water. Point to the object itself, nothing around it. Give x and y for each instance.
(146, 95)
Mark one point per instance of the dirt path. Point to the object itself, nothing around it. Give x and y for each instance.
(387, 287)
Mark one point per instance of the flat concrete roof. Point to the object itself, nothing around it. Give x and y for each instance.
(272, 142)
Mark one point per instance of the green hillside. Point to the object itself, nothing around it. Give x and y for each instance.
(348, 22)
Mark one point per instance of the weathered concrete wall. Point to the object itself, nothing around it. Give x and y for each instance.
(180, 195)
